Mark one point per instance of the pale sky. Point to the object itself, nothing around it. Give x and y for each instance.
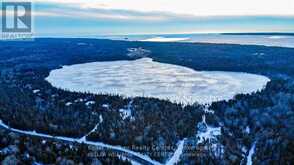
(192, 7)
(99, 17)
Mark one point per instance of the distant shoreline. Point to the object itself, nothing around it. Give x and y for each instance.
(263, 34)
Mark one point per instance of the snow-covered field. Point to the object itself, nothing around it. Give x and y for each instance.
(145, 77)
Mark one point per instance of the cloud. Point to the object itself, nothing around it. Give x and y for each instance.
(161, 10)
(94, 11)
(189, 7)
(102, 14)
(168, 16)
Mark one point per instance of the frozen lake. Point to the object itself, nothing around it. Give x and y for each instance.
(144, 77)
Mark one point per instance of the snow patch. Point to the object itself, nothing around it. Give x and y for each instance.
(126, 113)
(210, 134)
(79, 100)
(105, 106)
(247, 130)
(207, 132)
(68, 104)
(88, 103)
(277, 37)
(36, 91)
(100, 119)
(138, 52)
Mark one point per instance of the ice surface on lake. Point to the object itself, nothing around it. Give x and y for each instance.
(165, 39)
(148, 78)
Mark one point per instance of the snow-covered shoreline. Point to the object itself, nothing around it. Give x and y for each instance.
(274, 40)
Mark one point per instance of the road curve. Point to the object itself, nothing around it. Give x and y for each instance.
(131, 155)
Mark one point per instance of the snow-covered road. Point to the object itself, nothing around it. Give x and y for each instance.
(177, 155)
(250, 154)
(134, 156)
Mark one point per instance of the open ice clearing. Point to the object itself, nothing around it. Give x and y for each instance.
(145, 77)
(165, 39)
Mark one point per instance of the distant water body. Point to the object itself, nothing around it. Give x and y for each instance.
(248, 39)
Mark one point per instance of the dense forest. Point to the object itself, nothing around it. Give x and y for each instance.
(264, 118)
(18, 149)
